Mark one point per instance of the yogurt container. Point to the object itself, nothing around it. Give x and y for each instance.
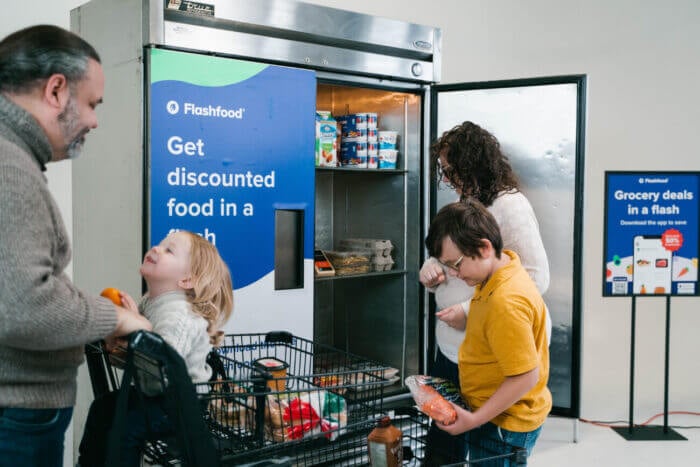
(353, 122)
(372, 135)
(387, 139)
(371, 120)
(372, 155)
(387, 158)
(353, 154)
(357, 134)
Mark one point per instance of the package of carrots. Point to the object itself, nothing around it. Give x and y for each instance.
(433, 396)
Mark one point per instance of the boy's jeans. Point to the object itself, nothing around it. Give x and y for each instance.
(33, 437)
(489, 442)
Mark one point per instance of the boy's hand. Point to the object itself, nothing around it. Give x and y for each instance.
(466, 421)
(454, 316)
(431, 274)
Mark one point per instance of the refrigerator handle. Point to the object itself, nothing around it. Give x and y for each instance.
(289, 249)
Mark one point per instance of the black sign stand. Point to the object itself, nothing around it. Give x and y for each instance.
(649, 433)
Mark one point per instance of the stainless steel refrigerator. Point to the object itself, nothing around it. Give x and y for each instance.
(202, 92)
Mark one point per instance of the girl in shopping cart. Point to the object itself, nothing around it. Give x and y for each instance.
(189, 298)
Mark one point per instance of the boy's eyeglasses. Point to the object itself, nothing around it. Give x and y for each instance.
(455, 265)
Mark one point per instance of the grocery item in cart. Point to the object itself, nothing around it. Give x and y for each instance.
(429, 400)
(296, 415)
(277, 369)
(384, 445)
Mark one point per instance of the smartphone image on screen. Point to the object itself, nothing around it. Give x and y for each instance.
(651, 266)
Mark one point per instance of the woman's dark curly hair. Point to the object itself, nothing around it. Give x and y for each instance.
(475, 163)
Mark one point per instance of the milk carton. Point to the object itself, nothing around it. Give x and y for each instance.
(326, 139)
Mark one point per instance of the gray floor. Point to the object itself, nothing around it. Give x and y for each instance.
(601, 446)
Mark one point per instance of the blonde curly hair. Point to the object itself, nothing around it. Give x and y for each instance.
(211, 294)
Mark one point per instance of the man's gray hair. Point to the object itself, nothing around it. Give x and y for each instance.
(30, 56)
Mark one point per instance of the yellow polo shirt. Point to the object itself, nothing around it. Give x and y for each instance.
(506, 336)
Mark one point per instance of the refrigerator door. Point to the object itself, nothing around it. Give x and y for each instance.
(539, 125)
(230, 147)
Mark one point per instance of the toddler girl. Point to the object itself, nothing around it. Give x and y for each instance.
(189, 297)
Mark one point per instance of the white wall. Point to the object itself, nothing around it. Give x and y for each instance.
(642, 63)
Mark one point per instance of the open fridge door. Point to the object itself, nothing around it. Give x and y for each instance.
(539, 124)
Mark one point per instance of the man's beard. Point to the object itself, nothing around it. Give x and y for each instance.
(69, 122)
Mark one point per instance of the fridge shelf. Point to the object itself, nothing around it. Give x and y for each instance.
(362, 171)
(393, 272)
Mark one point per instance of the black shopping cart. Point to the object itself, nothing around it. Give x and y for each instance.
(414, 426)
(318, 412)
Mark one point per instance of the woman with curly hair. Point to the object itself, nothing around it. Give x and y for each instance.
(469, 159)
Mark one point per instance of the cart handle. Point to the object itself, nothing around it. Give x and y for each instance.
(279, 336)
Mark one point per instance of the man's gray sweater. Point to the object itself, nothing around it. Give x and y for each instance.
(44, 319)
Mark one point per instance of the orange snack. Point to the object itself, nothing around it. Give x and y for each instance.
(112, 294)
(430, 401)
(437, 408)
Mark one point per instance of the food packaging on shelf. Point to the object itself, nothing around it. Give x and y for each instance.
(388, 158)
(353, 136)
(353, 154)
(350, 262)
(382, 263)
(326, 139)
(372, 155)
(352, 122)
(387, 139)
(372, 120)
(379, 247)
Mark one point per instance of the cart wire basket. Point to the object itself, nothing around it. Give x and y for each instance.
(414, 426)
(318, 411)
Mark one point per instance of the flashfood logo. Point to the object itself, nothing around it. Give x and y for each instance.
(173, 107)
(643, 180)
(189, 108)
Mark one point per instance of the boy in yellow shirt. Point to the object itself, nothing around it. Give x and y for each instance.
(504, 358)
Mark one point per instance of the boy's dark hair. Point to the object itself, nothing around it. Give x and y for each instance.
(466, 223)
(477, 165)
(33, 54)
